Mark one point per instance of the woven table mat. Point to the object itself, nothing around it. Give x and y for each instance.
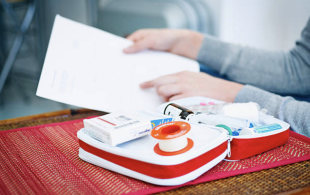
(49, 118)
(44, 160)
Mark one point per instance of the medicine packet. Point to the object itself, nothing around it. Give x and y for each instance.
(122, 126)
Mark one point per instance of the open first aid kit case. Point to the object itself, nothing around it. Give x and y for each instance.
(148, 158)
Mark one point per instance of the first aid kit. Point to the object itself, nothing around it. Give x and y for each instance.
(179, 150)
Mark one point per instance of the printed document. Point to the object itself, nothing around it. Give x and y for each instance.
(86, 67)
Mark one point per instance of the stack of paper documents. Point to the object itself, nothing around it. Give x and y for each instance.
(86, 67)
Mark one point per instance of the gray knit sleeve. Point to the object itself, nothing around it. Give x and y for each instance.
(276, 71)
(296, 113)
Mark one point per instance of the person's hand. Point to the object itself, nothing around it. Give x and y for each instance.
(181, 42)
(187, 84)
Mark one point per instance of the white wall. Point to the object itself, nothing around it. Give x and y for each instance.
(268, 24)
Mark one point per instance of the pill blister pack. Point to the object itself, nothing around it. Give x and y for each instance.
(205, 108)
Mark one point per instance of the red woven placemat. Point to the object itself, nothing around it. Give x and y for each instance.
(44, 160)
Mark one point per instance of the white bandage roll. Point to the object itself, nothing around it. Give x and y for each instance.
(172, 145)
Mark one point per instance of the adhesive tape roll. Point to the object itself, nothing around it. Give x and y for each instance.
(173, 145)
(172, 138)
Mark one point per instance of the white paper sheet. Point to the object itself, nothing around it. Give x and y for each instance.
(86, 67)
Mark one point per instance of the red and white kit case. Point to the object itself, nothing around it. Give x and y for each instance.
(137, 158)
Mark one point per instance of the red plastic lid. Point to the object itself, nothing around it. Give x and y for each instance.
(170, 130)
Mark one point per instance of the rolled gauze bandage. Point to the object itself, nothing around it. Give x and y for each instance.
(172, 138)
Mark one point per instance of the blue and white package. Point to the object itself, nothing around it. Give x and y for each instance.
(155, 118)
(259, 129)
(160, 121)
(267, 128)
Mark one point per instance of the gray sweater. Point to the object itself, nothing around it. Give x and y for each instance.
(274, 71)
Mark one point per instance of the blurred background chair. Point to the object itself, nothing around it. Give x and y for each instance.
(16, 32)
(92, 7)
(122, 17)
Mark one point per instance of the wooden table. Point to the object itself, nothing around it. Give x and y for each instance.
(288, 179)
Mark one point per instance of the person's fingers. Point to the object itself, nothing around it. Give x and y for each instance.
(140, 45)
(163, 80)
(147, 84)
(166, 91)
(135, 37)
(139, 34)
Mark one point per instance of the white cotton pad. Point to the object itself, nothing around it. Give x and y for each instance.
(248, 111)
